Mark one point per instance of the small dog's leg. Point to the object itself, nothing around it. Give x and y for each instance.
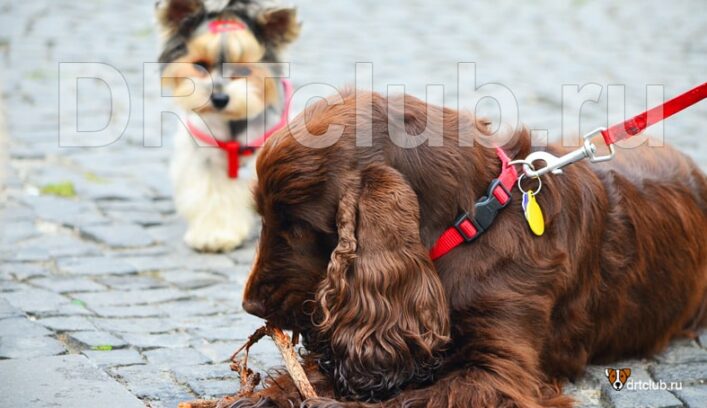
(218, 209)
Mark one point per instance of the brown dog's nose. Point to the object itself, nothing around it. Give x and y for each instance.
(220, 100)
(254, 307)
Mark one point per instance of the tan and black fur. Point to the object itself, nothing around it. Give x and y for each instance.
(232, 102)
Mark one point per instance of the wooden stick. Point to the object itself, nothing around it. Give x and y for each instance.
(294, 368)
(250, 380)
(198, 404)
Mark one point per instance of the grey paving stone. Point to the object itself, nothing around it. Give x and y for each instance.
(71, 323)
(630, 397)
(11, 286)
(129, 311)
(221, 293)
(145, 341)
(7, 310)
(683, 352)
(169, 235)
(687, 372)
(22, 271)
(694, 396)
(234, 333)
(32, 254)
(264, 356)
(14, 232)
(64, 285)
(63, 245)
(64, 381)
(127, 206)
(21, 326)
(29, 346)
(65, 212)
(152, 263)
(204, 322)
(703, 338)
(134, 297)
(170, 357)
(244, 255)
(143, 218)
(217, 352)
(191, 279)
(585, 394)
(204, 372)
(186, 308)
(36, 300)
(94, 339)
(114, 190)
(151, 251)
(135, 325)
(209, 389)
(118, 236)
(72, 309)
(153, 383)
(205, 262)
(94, 266)
(131, 282)
(114, 358)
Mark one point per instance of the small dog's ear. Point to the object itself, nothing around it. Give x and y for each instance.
(626, 371)
(278, 26)
(608, 371)
(172, 13)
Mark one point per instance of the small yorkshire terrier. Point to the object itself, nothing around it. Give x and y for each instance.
(198, 38)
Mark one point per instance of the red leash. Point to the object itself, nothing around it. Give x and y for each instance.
(638, 123)
(498, 196)
(233, 148)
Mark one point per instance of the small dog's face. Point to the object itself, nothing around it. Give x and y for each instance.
(617, 377)
(213, 57)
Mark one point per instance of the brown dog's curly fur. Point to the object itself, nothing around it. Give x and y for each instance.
(501, 322)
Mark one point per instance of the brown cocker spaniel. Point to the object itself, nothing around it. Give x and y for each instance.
(498, 322)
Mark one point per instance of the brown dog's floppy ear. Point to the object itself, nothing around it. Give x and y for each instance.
(278, 26)
(171, 14)
(383, 307)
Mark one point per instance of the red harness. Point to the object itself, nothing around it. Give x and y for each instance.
(498, 195)
(234, 150)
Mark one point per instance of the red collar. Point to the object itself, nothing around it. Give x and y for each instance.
(233, 148)
(467, 229)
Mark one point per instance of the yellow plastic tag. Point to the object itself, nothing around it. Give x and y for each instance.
(533, 213)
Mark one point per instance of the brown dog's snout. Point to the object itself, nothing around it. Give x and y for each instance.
(254, 307)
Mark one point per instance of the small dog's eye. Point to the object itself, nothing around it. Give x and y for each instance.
(241, 71)
(203, 64)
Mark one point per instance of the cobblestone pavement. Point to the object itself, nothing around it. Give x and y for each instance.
(98, 295)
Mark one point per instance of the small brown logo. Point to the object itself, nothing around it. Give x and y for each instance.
(617, 377)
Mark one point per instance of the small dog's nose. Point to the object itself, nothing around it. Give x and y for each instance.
(617, 384)
(254, 307)
(219, 99)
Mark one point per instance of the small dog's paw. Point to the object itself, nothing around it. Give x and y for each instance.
(215, 238)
